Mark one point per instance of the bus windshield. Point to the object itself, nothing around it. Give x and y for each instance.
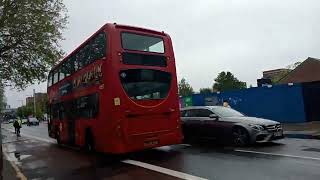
(138, 42)
(145, 83)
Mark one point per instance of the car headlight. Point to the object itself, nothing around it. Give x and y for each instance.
(256, 127)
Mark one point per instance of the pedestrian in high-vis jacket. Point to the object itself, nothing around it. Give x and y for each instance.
(17, 125)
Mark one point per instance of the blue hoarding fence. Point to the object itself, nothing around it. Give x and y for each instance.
(283, 103)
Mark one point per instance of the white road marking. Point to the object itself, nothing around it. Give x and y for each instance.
(162, 170)
(188, 145)
(275, 154)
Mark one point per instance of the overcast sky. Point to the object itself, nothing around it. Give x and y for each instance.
(245, 37)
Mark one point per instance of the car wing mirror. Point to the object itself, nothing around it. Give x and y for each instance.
(213, 116)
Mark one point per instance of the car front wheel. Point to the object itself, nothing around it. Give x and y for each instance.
(240, 137)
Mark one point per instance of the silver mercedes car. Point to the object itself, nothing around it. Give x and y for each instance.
(228, 125)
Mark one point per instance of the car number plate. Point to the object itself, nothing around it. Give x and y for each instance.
(279, 133)
(151, 143)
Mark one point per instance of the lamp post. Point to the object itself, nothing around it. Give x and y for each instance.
(34, 102)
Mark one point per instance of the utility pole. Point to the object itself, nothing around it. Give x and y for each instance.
(34, 103)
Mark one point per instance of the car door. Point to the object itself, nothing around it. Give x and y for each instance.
(225, 128)
(209, 126)
(191, 125)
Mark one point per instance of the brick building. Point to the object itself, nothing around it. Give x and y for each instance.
(271, 74)
(39, 97)
(307, 71)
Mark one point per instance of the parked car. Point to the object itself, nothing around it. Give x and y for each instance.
(11, 120)
(24, 121)
(32, 121)
(6, 122)
(227, 125)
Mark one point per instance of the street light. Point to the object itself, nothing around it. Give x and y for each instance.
(34, 102)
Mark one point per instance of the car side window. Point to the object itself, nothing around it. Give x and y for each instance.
(192, 113)
(204, 113)
(187, 113)
(183, 113)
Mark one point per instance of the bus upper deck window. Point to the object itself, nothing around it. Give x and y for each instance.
(131, 41)
(61, 74)
(55, 77)
(49, 79)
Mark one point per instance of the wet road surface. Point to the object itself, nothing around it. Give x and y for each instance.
(38, 157)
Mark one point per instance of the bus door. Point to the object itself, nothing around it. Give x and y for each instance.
(70, 118)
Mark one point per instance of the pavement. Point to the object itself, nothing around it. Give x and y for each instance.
(36, 156)
(8, 171)
(308, 129)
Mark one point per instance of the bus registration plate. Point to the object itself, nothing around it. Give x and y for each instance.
(151, 143)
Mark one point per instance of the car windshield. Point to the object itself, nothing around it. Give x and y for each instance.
(226, 112)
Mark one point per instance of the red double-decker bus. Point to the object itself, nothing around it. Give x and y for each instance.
(117, 92)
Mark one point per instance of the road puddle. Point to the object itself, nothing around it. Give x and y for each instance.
(13, 155)
(17, 157)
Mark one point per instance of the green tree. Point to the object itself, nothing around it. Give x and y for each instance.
(30, 33)
(24, 111)
(227, 81)
(205, 90)
(41, 108)
(20, 111)
(28, 109)
(185, 88)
